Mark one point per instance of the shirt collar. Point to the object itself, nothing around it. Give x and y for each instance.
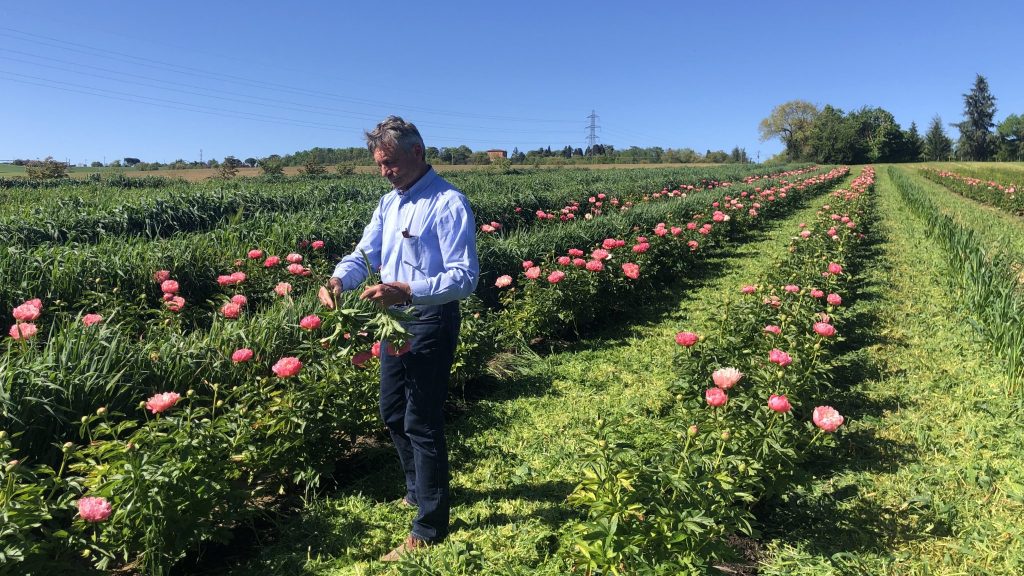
(422, 184)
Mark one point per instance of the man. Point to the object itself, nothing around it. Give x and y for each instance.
(422, 236)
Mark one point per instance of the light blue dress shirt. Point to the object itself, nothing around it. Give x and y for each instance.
(425, 236)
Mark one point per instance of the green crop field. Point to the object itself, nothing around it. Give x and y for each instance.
(731, 369)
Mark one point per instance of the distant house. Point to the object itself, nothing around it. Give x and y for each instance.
(497, 154)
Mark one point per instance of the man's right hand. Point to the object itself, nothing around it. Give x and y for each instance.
(335, 284)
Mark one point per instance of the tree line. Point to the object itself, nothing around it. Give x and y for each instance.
(829, 135)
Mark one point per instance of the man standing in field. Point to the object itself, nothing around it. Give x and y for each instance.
(422, 237)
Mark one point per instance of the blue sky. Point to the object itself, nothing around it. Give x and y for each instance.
(90, 81)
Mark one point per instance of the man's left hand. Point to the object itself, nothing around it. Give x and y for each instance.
(385, 295)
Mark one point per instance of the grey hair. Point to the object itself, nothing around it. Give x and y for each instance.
(393, 132)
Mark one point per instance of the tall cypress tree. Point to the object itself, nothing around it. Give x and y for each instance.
(976, 139)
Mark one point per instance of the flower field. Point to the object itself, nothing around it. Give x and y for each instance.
(173, 375)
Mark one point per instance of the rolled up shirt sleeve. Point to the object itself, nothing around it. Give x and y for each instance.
(456, 235)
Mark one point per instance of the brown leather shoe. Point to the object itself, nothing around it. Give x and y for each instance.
(411, 543)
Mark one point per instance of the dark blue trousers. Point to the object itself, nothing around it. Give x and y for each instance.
(413, 389)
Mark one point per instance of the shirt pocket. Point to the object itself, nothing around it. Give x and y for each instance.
(413, 258)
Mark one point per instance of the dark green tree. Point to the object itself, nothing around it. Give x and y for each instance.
(937, 146)
(1011, 138)
(272, 166)
(976, 139)
(914, 143)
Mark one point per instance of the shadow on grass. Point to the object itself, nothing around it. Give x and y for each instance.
(838, 519)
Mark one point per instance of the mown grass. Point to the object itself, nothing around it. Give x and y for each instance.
(514, 446)
(930, 482)
(997, 227)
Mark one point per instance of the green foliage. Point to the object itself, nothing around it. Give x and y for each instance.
(989, 279)
(937, 146)
(790, 122)
(1011, 138)
(48, 169)
(976, 139)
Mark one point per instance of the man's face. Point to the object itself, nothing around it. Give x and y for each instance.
(401, 167)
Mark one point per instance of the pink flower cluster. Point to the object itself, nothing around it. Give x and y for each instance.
(25, 315)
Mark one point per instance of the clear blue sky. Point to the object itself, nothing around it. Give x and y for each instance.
(89, 81)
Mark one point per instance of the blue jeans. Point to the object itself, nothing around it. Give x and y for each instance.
(413, 390)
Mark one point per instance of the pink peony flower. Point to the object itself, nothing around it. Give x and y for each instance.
(687, 339)
(827, 418)
(527, 264)
(282, 288)
(169, 286)
(716, 397)
(161, 276)
(287, 367)
(579, 262)
(237, 277)
(27, 312)
(824, 329)
(631, 270)
(791, 288)
(241, 355)
(779, 357)
(240, 299)
(255, 254)
(595, 265)
(779, 403)
(175, 303)
(94, 508)
(641, 247)
(361, 358)
(600, 254)
(815, 293)
(693, 245)
(294, 258)
(575, 252)
(503, 281)
(773, 329)
(231, 310)
(834, 299)
(224, 280)
(296, 269)
(271, 261)
(23, 331)
(834, 268)
(805, 234)
(533, 272)
(311, 322)
(748, 289)
(90, 319)
(556, 276)
(375, 349)
(160, 402)
(610, 243)
(726, 378)
(317, 244)
(564, 261)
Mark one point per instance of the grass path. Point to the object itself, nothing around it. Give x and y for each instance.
(931, 481)
(514, 447)
(995, 226)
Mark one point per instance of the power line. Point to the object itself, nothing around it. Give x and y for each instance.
(220, 76)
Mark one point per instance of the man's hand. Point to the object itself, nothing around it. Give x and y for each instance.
(385, 295)
(335, 284)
